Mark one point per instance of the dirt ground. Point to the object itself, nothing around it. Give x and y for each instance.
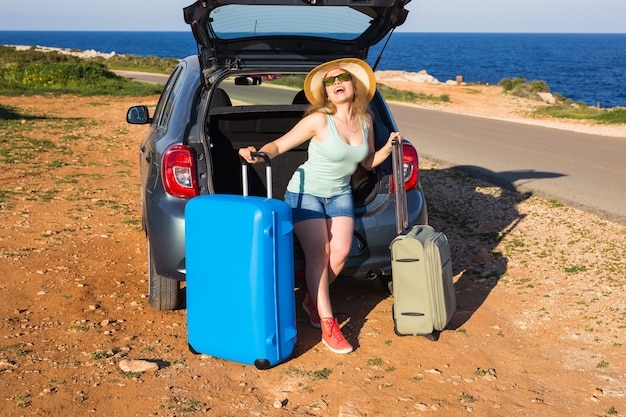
(539, 330)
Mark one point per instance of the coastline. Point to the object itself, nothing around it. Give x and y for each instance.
(488, 101)
(89, 53)
(478, 100)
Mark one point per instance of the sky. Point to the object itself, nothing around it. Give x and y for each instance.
(529, 16)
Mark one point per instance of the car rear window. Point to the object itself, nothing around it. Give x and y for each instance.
(243, 21)
(263, 89)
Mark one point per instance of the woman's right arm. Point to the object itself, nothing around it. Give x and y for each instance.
(304, 130)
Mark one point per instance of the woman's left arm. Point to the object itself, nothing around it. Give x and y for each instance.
(374, 159)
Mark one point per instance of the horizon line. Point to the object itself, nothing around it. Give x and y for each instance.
(399, 31)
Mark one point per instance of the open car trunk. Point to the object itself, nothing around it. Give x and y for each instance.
(253, 34)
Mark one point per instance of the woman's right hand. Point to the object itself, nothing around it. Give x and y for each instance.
(246, 154)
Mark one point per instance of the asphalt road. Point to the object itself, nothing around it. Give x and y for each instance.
(581, 170)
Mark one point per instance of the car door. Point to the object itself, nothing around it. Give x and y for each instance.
(150, 158)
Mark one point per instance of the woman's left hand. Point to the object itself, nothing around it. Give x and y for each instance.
(393, 136)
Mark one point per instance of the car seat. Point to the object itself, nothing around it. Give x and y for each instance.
(300, 98)
(220, 99)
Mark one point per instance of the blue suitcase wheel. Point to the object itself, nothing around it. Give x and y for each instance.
(262, 364)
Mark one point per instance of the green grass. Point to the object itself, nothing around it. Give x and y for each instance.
(138, 63)
(98, 355)
(323, 373)
(32, 72)
(375, 362)
(410, 97)
(16, 348)
(583, 112)
(602, 364)
(85, 79)
(293, 81)
(574, 269)
(185, 405)
(466, 398)
(24, 401)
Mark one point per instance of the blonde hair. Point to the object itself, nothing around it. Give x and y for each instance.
(360, 104)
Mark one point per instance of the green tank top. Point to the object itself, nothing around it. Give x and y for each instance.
(331, 163)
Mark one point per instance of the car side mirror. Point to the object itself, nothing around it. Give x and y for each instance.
(138, 115)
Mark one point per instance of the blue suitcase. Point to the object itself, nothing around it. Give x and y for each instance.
(240, 277)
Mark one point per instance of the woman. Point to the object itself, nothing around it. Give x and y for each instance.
(339, 127)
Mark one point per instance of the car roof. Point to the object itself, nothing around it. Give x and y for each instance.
(289, 33)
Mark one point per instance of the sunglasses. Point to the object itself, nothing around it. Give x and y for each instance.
(343, 77)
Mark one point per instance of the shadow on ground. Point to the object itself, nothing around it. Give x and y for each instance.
(475, 214)
(476, 209)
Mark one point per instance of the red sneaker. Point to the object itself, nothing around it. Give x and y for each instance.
(311, 309)
(333, 338)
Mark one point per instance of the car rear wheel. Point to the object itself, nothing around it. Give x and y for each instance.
(162, 292)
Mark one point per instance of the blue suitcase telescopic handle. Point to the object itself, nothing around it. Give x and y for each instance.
(268, 172)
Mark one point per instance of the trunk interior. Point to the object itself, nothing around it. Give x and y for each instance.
(234, 127)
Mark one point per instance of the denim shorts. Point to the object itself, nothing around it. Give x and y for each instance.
(307, 206)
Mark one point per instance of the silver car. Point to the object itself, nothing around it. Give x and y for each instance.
(245, 88)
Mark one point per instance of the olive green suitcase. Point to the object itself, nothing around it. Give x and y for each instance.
(423, 290)
(421, 268)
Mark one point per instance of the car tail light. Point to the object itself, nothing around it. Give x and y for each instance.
(410, 167)
(179, 172)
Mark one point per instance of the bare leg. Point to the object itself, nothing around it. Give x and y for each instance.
(313, 237)
(341, 230)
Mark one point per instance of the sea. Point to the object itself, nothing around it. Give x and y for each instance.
(589, 68)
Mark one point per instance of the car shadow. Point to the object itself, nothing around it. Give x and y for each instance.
(476, 209)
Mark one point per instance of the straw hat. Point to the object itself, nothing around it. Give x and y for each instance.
(356, 67)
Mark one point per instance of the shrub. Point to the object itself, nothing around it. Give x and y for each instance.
(538, 86)
(510, 84)
(520, 87)
(506, 83)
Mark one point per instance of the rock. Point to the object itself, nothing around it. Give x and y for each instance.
(279, 403)
(421, 407)
(414, 77)
(6, 364)
(547, 97)
(349, 409)
(138, 366)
